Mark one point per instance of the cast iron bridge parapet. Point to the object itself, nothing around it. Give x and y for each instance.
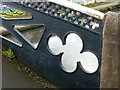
(62, 25)
(91, 22)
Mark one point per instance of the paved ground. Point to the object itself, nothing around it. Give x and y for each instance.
(106, 5)
(13, 78)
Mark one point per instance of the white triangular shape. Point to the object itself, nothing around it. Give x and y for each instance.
(31, 33)
(5, 34)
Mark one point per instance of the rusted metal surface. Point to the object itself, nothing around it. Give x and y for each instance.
(109, 66)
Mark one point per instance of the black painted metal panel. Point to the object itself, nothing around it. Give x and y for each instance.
(48, 65)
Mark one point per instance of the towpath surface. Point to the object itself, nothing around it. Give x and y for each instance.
(12, 77)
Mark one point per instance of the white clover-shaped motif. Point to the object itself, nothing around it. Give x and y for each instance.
(94, 25)
(71, 54)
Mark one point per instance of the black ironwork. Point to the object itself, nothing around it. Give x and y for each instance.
(61, 21)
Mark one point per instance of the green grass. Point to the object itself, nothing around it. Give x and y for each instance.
(14, 14)
(26, 16)
(96, 4)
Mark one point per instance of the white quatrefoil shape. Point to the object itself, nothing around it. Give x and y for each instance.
(71, 54)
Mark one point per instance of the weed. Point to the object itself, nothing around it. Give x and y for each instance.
(9, 53)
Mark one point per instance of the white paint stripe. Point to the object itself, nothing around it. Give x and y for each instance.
(79, 8)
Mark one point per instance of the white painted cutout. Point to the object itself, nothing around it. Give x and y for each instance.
(94, 25)
(80, 8)
(83, 21)
(5, 34)
(71, 54)
(31, 33)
